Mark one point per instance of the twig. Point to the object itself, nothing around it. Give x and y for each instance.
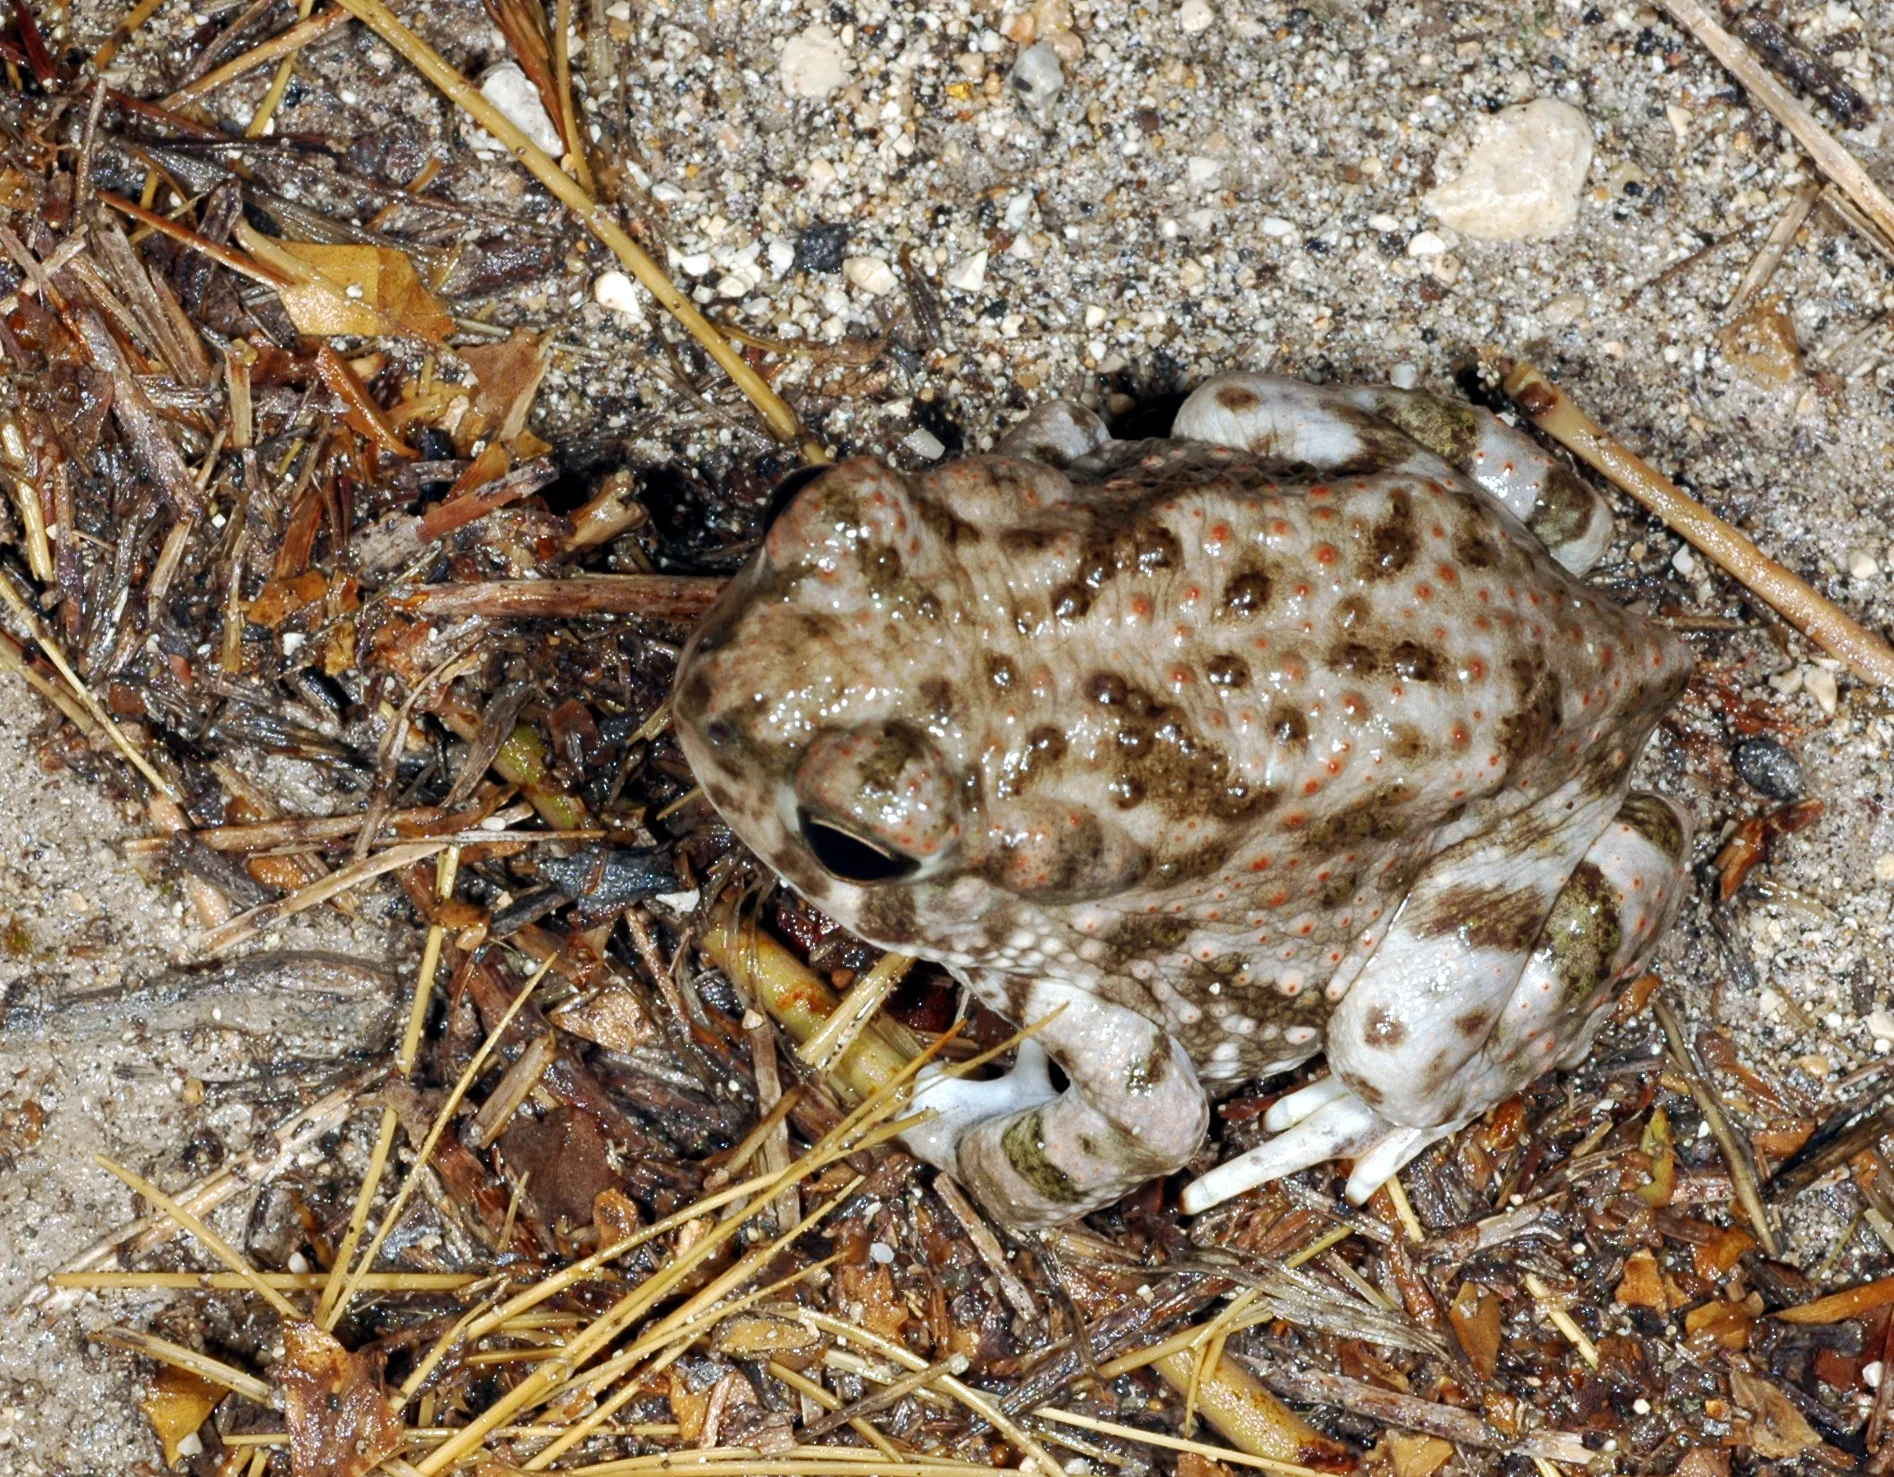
(1735, 1154)
(660, 596)
(293, 40)
(1777, 246)
(594, 217)
(248, 925)
(1806, 608)
(1830, 157)
(1170, 1443)
(201, 1365)
(1562, 1320)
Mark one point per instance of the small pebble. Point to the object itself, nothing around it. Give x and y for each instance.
(1765, 765)
(1641, 1406)
(508, 89)
(968, 274)
(1880, 1024)
(813, 64)
(1426, 243)
(1196, 16)
(924, 444)
(782, 255)
(1871, 1375)
(881, 1252)
(1275, 225)
(1862, 565)
(1404, 376)
(1683, 561)
(1037, 77)
(1884, 867)
(871, 274)
(1822, 686)
(1522, 180)
(822, 247)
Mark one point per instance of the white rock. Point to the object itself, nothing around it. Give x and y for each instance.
(814, 63)
(1522, 181)
(1884, 868)
(1383, 222)
(969, 273)
(1275, 225)
(1862, 565)
(1202, 171)
(924, 444)
(1037, 77)
(782, 255)
(1683, 561)
(1095, 316)
(618, 292)
(1426, 243)
(1404, 376)
(1195, 16)
(1880, 1024)
(697, 264)
(507, 88)
(1821, 685)
(871, 274)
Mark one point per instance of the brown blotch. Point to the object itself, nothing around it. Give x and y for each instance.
(1000, 670)
(1228, 671)
(1289, 726)
(1415, 662)
(1537, 713)
(888, 916)
(1473, 548)
(1655, 821)
(1247, 594)
(1564, 509)
(1023, 541)
(1071, 602)
(1108, 689)
(1487, 917)
(1473, 1024)
(1407, 743)
(1353, 610)
(1392, 541)
(1238, 398)
(1384, 1028)
(937, 697)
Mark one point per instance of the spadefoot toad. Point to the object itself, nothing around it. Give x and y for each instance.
(1294, 732)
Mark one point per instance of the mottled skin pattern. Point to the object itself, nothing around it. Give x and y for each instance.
(1281, 735)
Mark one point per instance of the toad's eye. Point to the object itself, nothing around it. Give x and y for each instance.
(851, 856)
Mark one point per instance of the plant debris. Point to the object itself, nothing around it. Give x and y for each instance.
(618, 1186)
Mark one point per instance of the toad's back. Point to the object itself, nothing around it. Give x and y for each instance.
(1179, 727)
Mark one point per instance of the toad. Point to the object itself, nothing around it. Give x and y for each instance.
(1294, 732)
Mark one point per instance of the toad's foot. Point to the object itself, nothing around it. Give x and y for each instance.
(1134, 1109)
(1319, 1122)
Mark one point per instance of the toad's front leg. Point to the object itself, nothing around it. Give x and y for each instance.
(1133, 1111)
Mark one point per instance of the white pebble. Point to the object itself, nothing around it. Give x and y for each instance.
(191, 1445)
(1884, 872)
(1404, 376)
(1275, 225)
(1871, 1375)
(1202, 171)
(924, 444)
(508, 89)
(969, 273)
(871, 274)
(1862, 565)
(881, 1252)
(1822, 686)
(1037, 77)
(1383, 222)
(1880, 1024)
(813, 64)
(1095, 316)
(1522, 180)
(697, 264)
(1426, 243)
(1196, 16)
(1641, 1406)
(782, 255)
(1683, 561)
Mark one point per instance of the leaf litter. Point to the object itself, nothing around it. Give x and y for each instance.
(635, 1201)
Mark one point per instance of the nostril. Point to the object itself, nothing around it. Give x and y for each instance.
(785, 491)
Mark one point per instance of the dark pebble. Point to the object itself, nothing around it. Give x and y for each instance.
(821, 249)
(1765, 765)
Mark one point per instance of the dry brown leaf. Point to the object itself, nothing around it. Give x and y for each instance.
(360, 291)
(1761, 345)
(177, 1404)
(508, 375)
(612, 1017)
(340, 1424)
(1190, 1464)
(870, 1285)
(757, 1338)
(1642, 1285)
(1704, 1461)
(1723, 1323)
(1779, 1429)
(1714, 1259)
(1475, 1316)
(1417, 1456)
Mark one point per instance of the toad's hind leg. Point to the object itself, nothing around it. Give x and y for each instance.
(1344, 428)
(1133, 1111)
(1601, 930)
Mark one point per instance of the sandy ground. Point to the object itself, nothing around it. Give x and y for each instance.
(1214, 185)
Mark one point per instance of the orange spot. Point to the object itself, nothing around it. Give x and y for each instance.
(1324, 553)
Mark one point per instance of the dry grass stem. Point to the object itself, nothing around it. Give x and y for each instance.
(189, 1360)
(1561, 1320)
(1830, 157)
(1806, 608)
(329, 1310)
(1171, 1443)
(286, 44)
